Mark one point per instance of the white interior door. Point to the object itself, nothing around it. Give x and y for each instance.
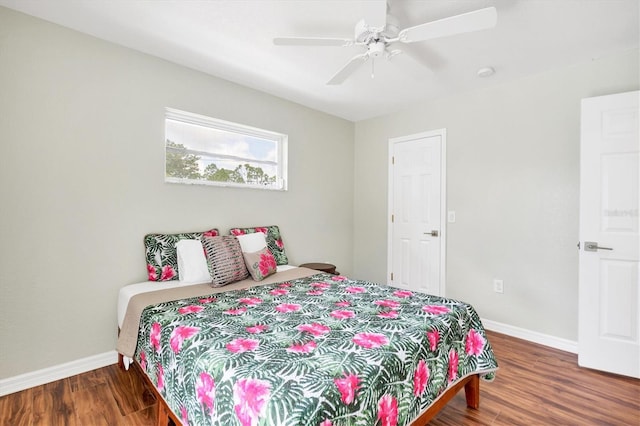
(416, 203)
(609, 305)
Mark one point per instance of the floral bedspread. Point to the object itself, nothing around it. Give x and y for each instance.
(321, 350)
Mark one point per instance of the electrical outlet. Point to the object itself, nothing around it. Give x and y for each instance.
(451, 216)
(498, 286)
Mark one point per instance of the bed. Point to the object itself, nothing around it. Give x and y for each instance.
(301, 348)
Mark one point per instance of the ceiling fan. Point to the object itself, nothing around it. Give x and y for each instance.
(378, 40)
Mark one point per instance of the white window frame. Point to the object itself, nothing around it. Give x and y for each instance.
(280, 139)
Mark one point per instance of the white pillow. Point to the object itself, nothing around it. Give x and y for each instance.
(251, 243)
(192, 265)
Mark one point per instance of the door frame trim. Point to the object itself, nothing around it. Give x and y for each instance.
(443, 201)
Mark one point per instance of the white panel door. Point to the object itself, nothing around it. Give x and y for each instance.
(416, 231)
(609, 301)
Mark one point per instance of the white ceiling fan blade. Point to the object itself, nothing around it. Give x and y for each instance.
(312, 41)
(472, 21)
(348, 69)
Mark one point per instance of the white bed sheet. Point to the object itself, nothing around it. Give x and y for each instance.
(128, 291)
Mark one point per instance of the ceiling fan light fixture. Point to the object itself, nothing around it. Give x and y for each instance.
(486, 72)
(376, 49)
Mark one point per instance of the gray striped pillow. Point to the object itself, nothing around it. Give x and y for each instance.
(225, 260)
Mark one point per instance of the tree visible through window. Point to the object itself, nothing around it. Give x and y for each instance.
(204, 150)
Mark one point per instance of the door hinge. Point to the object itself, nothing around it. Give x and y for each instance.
(392, 276)
(392, 218)
(393, 160)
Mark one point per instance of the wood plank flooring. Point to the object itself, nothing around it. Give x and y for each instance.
(535, 385)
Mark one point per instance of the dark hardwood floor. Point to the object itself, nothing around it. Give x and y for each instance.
(535, 385)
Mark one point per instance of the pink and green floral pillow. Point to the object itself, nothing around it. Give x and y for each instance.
(260, 264)
(274, 240)
(162, 256)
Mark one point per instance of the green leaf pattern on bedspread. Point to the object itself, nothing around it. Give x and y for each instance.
(322, 350)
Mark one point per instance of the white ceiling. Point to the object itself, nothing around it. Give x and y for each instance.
(232, 39)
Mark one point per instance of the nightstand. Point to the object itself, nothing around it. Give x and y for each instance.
(323, 267)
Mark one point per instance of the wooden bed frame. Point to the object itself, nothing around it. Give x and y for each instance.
(471, 386)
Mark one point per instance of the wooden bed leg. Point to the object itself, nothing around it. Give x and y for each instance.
(121, 361)
(471, 386)
(472, 391)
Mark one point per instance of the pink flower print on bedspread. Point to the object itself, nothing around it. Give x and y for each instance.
(205, 390)
(184, 416)
(237, 232)
(436, 309)
(402, 293)
(191, 309)
(355, 289)
(370, 340)
(236, 311)
(256, 329)
(348, 385)
(315, 329)
(263, 230)
(250, 397)
(391, 304)
(154, 336)
(420, 378)
(279, 292)
(143, 361)
(242, 345)
(388, 411)
(320, 285)
(433, 337)
(179, 335)
(160, 377)
(475, 343)
(251, 301)
(304, 348)
(453, 365)
(286, 308)
(342, 314)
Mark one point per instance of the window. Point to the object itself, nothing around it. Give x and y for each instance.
(204, 150)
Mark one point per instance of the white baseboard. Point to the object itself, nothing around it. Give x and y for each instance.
(57, 372)
(532, 336)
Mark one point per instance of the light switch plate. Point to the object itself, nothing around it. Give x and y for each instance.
(451, 216)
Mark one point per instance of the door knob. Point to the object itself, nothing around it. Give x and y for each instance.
(433, 233)
(591, 246)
